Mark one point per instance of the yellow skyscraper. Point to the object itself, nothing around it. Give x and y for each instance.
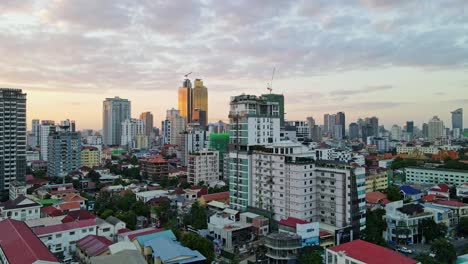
(186, 100)
(200, 97)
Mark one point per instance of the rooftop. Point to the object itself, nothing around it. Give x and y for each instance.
(371, 254)
(215, 196)
(375, 197)
(20, 202)
(20, 244)
(409, 190)
(122, 257)
(170, 251)
(64, 227)
(93, 245)
(143, 239)
(292, 222)
(452, 203)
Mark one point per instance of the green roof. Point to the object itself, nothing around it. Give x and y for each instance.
(47, 202)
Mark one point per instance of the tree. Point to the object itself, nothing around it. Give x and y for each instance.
(196, 242)
(375, 225)
(431, 230)
(107, 213)
(134, 160)
(393, 194)
(462, 227)
(94, 176)
(425, 259)
(453, 192)
(310, 255)
(198, 217)
(164, 181)
(129, 218)
(40, 174)
(444, 251)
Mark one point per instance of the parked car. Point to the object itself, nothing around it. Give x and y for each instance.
(405, 250)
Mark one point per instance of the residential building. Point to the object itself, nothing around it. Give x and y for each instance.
(165, 250)
(147, 118)
(435, 129)
(396, 133)
(440, 190)
(459, 209)
(380, 143)
(121, 257)
(185, 101)
(302, 129)
(360, 251)
(422, 175)
(373, 123)
(35, 130)
(289, 183)
(220, 142)
(457, 121)
(154, 166)
(309, 232)
(200, 100)
(61, 238)
(13, 137)
(425, 130)
(199, 118)
(282, 247)
(410, 193)
(148, 195)
(403, 222)
(340, 120)
(18, 244)
(329, 121)
(21, 209)
(279, 99)
(203, 166)
(90, 156)
(192, 141)
(353, 131)
(462, 190)
(375, 200)
(131, 129)
(115, 111)
(64, 153)
(253, 121)
(410, 129)
(376, 181)
(92, 246)
(46, 128)
(176, 127)
(222, 197)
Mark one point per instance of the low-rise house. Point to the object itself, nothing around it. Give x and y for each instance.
(441, 214)
(18, 244)
(122, 257)
(327, 239)
(165, 250)
(56, 190)
(441, 190)
(92, 246)
(129, 235)
(110, 227)
(410, 193)
(21, 208)
(462, 190)
(309, 232)
(459, 209)
(403, 222)
(375, 200)
(148, 195)
(360, 251)
(140, 241)
(282, 247)
(75, 197)
(61, 238)
(68, 207)
(222, 197)
(376, 180)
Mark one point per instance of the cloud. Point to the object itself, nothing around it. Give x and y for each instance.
(365, 90)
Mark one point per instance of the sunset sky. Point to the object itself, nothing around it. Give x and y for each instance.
(396, 59)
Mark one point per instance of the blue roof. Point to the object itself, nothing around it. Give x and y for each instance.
(167, 233)
(409, 190)
(170, 251)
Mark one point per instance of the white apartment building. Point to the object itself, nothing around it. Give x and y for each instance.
(177, 126)
(302, 129)
(115, 111)
(47, 127)
(435, 175)
(435, 129)
(192, 141)
(203, 166)
(396, 133)
(131, 128)
(21, 209)
(409, 148)
(288, 182)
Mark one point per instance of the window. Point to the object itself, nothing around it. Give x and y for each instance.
(106, 229)
(83, 230)
(58, 235)
(72, 233)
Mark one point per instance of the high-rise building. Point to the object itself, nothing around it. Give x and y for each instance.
(185, 101)
(220, 142)
(90, 156)
(35, 131)
(64, 153)
(435, 129)
(396, 132)
(410, 129)
(200, 98)
(425, 130)
(174, 126)
(315, 133)
(12, 137)
(374, 124)
(192, 141)
(131, 129)
(147, 117)
(301, 128)
(199, 117)
(253, 121)
(329, 121)
(353, 131)
(203, 166)
(457, 122)
(46, 128)
(115, 111)
(340, 119)
(278, 98)
(289, 182)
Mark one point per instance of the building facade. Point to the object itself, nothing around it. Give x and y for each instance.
(64, 153)
(185, 101)
(131, 128)
(148, 118)
(434, 176)
(12, 136)
(115, 111)
(435, 129)
(90, 156)
(203, 166)
(200, 99)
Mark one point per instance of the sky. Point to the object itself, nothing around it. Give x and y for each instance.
(398, 60)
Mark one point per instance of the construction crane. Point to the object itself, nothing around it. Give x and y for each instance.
(186, 75)
(270, 84)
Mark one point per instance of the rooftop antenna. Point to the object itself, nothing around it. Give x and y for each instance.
(186, 75)
(270, 84)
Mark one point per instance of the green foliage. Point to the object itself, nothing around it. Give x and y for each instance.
(217, 189)
(399, 163)
(462, 227)
(40, 174)
(47, 196)
(310, 255)
(375, 225)
(164, 212)
(445, 252)
(134, 160)
(393, 194)
(129, 218)
(425, 259)
(198, 217)
(164, 182)
(106, 213)
(454, 164)
(196, 242)
(133, 173)
(431, 230)
(185, 185)
(94, 176)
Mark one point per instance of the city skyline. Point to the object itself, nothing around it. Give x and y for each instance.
(364, 58)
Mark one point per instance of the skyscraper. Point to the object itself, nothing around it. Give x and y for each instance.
(353, 131)
(64, 153)
(185, 101)
(199, 116)
(176, 127)
(147, 117)
(115, 111)
(329, 121)
(131, 129)
(425, 130)
(396, 132)
(35, 131)
(410, 129)
(12, 137)
(374, 123)
(341, 120)
(45, 129)
(435, 129)
(200, 98)
(457, 120)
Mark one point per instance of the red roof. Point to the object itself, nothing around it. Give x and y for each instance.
(21, 245)
(324, 233)
(78, 215)
(93, 245)
(156, 230)
(375, 197)
(371, 254)
(69, 206)
(429, 198)
(451, 203)
(123, 230)
(292, 222)
(64, 227)
(215, 196)
(73, 197)
(51, 211)
(441, 187)
(386, 201)
(30, 180)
